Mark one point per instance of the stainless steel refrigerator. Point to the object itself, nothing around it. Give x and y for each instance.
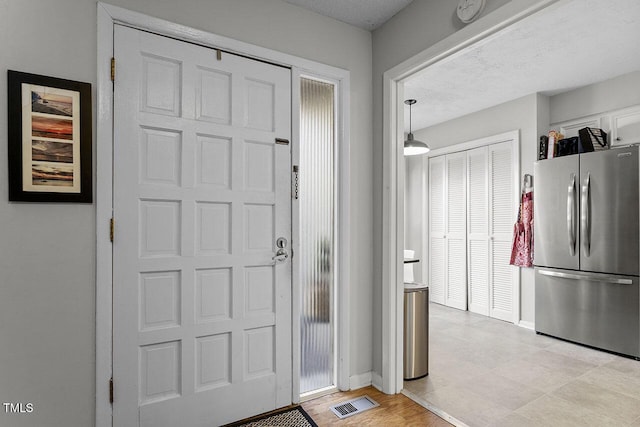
(586, 242)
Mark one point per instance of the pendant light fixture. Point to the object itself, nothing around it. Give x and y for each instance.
(412, 146)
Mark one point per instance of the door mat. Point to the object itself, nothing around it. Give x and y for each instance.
(290, 417)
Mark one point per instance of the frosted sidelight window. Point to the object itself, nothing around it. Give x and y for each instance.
(317, 234)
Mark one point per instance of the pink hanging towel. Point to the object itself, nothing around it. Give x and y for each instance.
(522, 248)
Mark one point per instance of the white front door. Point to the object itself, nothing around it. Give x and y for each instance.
(202, 192)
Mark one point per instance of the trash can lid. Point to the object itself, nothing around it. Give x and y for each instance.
(415, 286)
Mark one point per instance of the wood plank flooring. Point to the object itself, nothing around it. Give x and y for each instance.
(394, 410)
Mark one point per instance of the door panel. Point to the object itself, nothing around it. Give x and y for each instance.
(437, 229)
(502, 285)
(456, 285)
(609, 180)
(202, 313)
(437, 270)
(557, 181)
(478, 230)
(501, 220)
(456, 230)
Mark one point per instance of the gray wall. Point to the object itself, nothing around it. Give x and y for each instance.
(47, 251)
(601, 97)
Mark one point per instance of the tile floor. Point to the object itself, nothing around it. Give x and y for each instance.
(485, 372)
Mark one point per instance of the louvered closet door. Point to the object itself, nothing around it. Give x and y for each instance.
(437, 229)
(501, 219)
(478, 230)
(456, 231)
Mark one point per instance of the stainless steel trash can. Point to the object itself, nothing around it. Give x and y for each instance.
(416, 331)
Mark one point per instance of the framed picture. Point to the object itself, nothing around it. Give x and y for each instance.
(49, 139)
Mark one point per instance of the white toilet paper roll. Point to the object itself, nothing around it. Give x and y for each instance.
(408, 268)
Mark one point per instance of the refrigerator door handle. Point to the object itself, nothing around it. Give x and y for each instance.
(585, 216)
(603, 279)
(571, 214)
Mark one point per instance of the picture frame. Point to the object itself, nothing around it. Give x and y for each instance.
(49, 139)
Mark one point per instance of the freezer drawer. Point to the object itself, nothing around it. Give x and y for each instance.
(599, 310)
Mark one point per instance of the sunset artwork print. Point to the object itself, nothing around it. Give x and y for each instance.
(46, 127)
(51, 104)
(52, 175)
(49, 151)
(50, 139)
(52, 163)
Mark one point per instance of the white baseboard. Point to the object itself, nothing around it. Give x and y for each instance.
(360, 380)
(376, 380)
(527, 325)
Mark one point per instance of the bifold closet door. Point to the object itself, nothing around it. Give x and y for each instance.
(490, 226)
(456, 231)
(478, 230)
(447, 230)
(501, 220)
(437, 226)
(471, 216)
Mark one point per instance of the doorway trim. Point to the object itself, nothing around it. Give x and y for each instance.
(393, 169)
(107, 16)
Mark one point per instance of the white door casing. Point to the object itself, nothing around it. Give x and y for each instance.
(202, 315)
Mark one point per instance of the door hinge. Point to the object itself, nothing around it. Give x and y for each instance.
(113, 69)
(111, 390)
(218, 54)
(112, 227)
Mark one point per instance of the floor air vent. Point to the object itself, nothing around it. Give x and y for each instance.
(353, 406)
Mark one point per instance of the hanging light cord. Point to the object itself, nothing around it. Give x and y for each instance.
(410, 118)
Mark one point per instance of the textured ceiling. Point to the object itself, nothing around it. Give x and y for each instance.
(366, 14)
(574, 43)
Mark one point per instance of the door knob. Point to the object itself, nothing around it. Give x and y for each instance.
(281, 256)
